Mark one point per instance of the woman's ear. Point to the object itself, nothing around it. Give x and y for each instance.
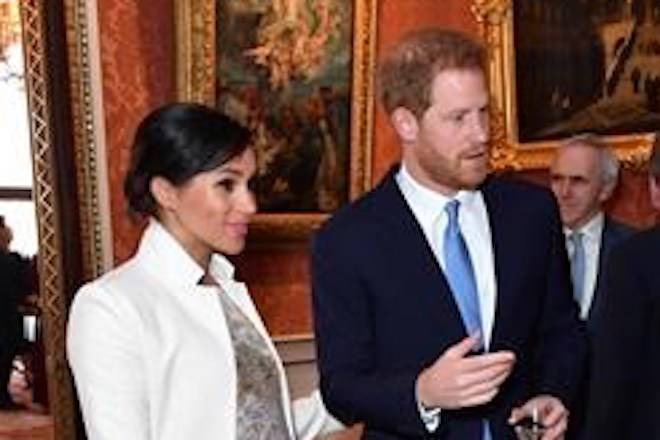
(405, 124)
(165, 194)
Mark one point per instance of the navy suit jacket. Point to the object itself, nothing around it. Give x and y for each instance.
(625, 387)
(384, 311)
(613, 233)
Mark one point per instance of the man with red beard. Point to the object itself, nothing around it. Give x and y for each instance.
(442, 298)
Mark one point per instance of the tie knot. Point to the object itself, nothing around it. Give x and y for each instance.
(576, 238)
(451, 208)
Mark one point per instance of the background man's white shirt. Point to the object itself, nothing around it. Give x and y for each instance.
(591, 239)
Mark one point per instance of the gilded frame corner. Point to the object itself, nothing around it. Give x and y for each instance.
(495, 21)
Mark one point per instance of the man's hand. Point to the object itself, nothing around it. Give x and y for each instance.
(458, 380)
(552, 414)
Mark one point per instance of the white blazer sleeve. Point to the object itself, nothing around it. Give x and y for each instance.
(104, 353)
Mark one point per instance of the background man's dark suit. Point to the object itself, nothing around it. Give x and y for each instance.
(384, 311)
(625, 386)
(15, 284)
(613, 233)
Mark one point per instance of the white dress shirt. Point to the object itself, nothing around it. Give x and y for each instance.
(592, 235)
(428, 207)
(152, 355)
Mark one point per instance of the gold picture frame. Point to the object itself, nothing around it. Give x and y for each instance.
(48, 190)
(52, 296)
(52, 301)
(496, 27)
(197, 61)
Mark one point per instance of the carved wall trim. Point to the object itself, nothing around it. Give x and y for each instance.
(52, 300)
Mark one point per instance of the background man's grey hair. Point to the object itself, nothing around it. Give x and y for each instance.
(609, 164)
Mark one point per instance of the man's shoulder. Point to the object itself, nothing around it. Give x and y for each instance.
(506, 182)
(14, 258)
(638, 254)
(646, 241)
(511, 192)
(618, 229)
(639, 249)
(363, 211)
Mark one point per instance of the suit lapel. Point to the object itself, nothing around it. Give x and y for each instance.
(592, 315)
(504, 254)
(610, 235)
(415, 257)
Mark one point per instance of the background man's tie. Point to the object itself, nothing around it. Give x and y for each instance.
(578, 263)
(460, 275)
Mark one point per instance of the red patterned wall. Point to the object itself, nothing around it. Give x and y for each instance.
(395, 18)
(137, 54)
(137, 60)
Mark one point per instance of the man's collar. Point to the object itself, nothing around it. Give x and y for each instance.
(428, 196)
(592, 229)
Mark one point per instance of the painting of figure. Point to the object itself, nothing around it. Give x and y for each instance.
(284, 69)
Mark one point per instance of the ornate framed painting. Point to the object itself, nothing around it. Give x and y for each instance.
(559, 68)
(67, 208)
(298, 73)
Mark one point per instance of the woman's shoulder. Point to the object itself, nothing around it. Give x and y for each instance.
(115, 288)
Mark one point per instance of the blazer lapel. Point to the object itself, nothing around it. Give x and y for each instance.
(610, 235)
(504, 255)
(415, 257)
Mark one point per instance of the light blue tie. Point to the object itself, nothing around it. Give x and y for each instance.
(578, 263)
(460, 275)
(459, 271)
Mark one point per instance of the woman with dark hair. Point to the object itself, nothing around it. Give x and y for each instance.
(168, 346)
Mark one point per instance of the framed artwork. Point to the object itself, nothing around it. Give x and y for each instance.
(298, 73)
(559, 68)
(57, 230)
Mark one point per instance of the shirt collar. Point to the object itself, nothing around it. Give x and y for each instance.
(173, 263)
(427, 203)
(592, 229)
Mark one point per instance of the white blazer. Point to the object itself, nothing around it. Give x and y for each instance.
(151, 353)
